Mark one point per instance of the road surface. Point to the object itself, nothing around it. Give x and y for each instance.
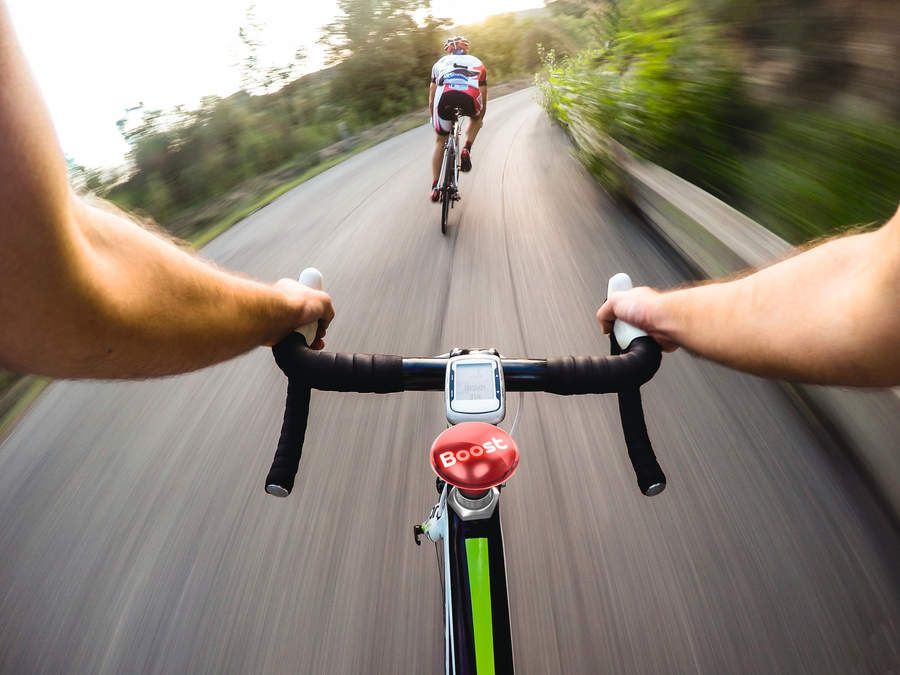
(135, 535)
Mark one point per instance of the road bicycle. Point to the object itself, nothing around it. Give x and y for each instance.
(473, 458)
(448, 181)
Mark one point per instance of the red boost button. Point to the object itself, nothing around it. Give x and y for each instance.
(474, 456)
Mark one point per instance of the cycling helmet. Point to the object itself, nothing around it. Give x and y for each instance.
(456, 45)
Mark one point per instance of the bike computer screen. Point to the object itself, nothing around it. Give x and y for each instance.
(474, 381)
(474, 390)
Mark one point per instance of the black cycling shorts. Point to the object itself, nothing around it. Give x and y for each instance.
(449, 102)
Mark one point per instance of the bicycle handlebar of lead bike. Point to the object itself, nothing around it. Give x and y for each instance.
(623, 373)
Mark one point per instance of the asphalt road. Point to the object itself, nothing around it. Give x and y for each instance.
(135, 535)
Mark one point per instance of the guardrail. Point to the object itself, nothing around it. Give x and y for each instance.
(717, 240)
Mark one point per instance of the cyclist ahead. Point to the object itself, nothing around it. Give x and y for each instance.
(458, 81)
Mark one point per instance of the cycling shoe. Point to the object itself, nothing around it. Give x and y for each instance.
(465, 160)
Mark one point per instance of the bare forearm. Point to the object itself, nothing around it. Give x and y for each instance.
(167, 310)
(129, 304)
(827, 315)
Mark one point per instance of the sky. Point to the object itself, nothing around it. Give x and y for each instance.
(92, 59)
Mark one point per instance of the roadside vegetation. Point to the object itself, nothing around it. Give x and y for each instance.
(776, 110)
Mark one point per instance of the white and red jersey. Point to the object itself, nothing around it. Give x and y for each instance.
(458, 78)
(459, 72)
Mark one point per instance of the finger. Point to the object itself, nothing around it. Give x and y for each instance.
(666, 345)
(327, 313)
(606, 316)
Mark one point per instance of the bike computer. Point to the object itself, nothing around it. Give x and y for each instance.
(474, 389)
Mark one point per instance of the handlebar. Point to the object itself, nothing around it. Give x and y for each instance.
(623, 373)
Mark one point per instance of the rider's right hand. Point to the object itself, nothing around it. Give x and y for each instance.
(642, 307)
(304, 306)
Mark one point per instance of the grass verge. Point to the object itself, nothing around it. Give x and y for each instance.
(17, 398)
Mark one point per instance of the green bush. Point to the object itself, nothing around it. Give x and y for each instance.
(663, 85)
(666, 84)
(813, 172)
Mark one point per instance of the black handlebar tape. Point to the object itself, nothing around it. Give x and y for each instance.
(569, 375)
(650, 477)
(280, 480)
(333, 371)
(381, 373)
(307, 369)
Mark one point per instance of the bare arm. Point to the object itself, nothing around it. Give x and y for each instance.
(829, 315)
(484, 99)
(431, 90)
(87, 292)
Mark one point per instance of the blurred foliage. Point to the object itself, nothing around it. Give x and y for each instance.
(186, 157)
(676, 82)
(512, 45)
(816, 171)
(381, 55)
(662, 83)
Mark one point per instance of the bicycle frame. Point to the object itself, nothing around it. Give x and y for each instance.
(477, 634)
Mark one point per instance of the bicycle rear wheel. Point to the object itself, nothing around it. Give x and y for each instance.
(447, 187)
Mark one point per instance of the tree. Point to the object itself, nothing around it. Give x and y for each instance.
(361, 24)
(384, 54)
